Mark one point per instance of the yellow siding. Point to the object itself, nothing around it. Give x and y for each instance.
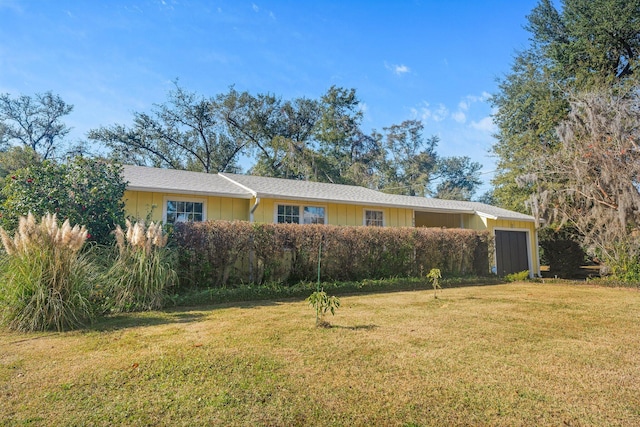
(519, 226)
(475, 222)
(336, 214)
(139, 204)
(430, 219)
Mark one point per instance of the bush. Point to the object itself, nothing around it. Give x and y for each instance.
(561, 251)
(142, 272)
(217, 253)
(85, 191)
(44, 278)
(517, 277)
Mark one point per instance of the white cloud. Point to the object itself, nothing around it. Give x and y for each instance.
(485, 125)
(464, 106)
(401, 69)
(422, 113)
(255, 7)
(459, 116)
(441, 113)
(398, 69)
(426, 113)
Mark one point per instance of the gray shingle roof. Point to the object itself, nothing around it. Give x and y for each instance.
(498, 213)
(308, 190)
(247, 186)
(143, 178)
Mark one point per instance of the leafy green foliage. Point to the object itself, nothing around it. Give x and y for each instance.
(44, 278)
(517, 277)
(434, 276)
(85, 191)
(586, 44)
(323, 303)
(16, 158)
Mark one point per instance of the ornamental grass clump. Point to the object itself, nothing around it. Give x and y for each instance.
(44, 277)
(142, 271)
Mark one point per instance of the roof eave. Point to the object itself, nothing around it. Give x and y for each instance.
(363, 203)
(190, 192)
(504, 218)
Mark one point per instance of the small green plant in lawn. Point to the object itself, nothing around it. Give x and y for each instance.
(322, 303)
(435, 275)
(517, 277)
(44, 278)
(142, 271)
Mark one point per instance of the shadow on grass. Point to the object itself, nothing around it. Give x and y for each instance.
(355, 327)
(167, 315)
(194, 305)
(154, 318)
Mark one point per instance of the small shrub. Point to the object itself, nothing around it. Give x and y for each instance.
(44, 278)
(142, 271)
(517, 277)
(322, 303)
(434, 276)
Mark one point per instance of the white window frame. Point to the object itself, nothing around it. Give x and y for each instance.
(364, 217)
(301, 207)
(167, 199)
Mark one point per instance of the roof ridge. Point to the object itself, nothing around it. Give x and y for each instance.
(244, 187)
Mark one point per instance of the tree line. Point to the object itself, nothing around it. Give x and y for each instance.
(568, 145)
(304, 139)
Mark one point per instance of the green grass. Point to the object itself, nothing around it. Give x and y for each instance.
(516, 354)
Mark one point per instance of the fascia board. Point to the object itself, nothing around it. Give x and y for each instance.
(190, 192)
(505, 218)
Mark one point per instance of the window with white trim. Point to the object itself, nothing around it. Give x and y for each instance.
(296, 214)
(183, 211)
(374, 218)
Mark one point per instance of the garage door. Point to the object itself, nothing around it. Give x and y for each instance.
(512, 254)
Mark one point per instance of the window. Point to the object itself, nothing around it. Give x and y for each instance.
(313, 215)
(288, 214)
(374, 218)
(182, 210)
(291, 214)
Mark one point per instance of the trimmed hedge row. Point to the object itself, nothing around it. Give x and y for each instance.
(218, 253)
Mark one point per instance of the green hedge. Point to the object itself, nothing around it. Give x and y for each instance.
(219, 253)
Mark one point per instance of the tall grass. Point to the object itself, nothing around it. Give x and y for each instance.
(142, 271)
(44, 278)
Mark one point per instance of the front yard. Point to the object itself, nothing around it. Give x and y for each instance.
(517, 354)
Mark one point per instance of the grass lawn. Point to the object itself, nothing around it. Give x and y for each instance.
(517, 354)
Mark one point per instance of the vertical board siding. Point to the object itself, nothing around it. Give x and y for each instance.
(336, 214)
(139, 204)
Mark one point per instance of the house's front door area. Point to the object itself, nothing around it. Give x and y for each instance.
(512, 254)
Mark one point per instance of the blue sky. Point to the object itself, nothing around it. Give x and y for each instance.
(434, 60)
